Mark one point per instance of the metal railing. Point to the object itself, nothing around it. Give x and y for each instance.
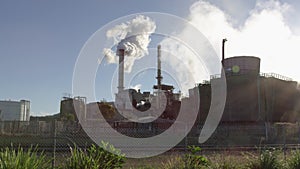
(275, 75)
(216, 76)
(266, 75)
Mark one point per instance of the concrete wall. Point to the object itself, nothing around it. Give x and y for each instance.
(242, 99)
(255, 99)
(278, 99)
(72, 108)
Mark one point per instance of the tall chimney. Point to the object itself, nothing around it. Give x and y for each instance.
(121, 54)
(223, 49)
(159, 77)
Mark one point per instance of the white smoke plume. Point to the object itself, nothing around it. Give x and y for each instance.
(265, 34)
(110, 55)
(134, 37)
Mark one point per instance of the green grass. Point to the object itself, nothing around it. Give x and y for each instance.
(294, 161)
(261, 159)
(21, 159)
(267, 159)
(95, 157)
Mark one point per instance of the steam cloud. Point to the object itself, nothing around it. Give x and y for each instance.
(134, 37)
(265, 34)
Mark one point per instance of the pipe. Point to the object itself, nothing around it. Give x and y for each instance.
(223, 49)
(159, 77)
(121, 54)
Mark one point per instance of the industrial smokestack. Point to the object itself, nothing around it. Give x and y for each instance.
(121, 53)
(223, 49)
(159, 77)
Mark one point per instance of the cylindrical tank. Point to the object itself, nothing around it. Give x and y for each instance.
(242, 65)
(242, 74)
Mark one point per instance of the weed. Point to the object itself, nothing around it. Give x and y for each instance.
(95, 157)
(20, 159)
(268, 159)
(294, 161)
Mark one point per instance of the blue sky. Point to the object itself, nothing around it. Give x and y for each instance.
(40, 40)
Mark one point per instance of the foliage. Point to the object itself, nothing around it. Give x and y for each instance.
(144, 167)
(68, 117)
(226, 164)
(174, 163)
(95, 157)
(294, 161)
(192, 160)
(107, 110)
(268, 159)
(21, 159)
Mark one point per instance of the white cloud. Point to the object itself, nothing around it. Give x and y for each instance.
(265, 34)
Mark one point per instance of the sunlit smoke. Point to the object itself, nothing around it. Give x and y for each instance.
(134, 37)
(265, 34)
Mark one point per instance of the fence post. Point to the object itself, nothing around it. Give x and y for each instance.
(284, 145)
(267, 131)
(54, 143)
(186, 137)
(298, 126)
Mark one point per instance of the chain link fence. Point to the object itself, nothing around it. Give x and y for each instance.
(56, 137)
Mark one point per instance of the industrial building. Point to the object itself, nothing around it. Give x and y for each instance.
(259, 107)
(69, 106)
(252, 96)
(15, 110)
(146, 105)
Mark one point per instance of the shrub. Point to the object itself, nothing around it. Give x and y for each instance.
(144, 167)
(226, 164)
(20, 159)
(294, 161)
(192, 160)
(176, 162)
(268, 159)
(95, 157)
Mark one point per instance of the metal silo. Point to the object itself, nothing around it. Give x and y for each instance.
(242, 65)
(242, 74)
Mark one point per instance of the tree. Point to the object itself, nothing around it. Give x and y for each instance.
(107, 110)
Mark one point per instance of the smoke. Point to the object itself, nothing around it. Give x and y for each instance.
(134, 37)
(265, 34)
(110, 55)
(187, 66)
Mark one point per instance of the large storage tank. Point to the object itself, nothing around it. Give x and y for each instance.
(241, 65)
(242, 73)
(14, 110)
